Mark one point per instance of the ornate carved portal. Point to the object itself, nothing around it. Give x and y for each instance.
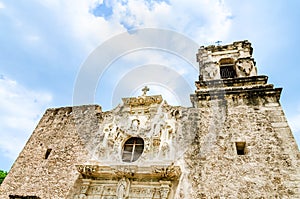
(134, 152)
(127, 182)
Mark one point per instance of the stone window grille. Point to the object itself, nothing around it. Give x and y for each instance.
(227, 69)
(132, 149)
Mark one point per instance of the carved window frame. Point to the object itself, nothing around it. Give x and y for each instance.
(132, 149)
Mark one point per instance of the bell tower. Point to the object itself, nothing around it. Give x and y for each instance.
(229, 61)
(244, 145)
(230, 71)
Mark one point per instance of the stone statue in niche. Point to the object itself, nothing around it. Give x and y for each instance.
(135, 123)
(123, 188)
(110, 132)
(245, 67)
(165, 150)
(210, 71)
(101, 149)
(166, 135)
(147, 144)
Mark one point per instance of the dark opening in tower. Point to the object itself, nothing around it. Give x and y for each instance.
(227, 69)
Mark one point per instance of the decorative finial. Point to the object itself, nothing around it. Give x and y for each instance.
(218, 42)
(145, 90)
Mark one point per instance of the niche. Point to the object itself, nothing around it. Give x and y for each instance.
(240, 148)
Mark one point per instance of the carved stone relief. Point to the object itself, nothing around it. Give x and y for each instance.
(245, 67)
(119, 179)
(157, 130)
(127, 189)
(84, 187)
(127, 181)
(210, 71)
(135, 123)
(123, 188)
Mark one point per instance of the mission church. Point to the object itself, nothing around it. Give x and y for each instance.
(234, 142)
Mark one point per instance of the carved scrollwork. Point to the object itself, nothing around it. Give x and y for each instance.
(169, 172)
(126, 171)
(198, 86)
(143, 100)
(156, 141)
(175, 113)
(87, 169)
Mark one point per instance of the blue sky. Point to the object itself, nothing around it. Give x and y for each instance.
(43, 44)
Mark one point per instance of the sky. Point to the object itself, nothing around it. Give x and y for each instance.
(45, 44)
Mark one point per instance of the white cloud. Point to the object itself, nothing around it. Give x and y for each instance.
(20, 109)
(33, 38)
(294, 122)
(2, 5)
(204, 21)
(87, 30)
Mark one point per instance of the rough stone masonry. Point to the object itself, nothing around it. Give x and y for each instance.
(234, 142)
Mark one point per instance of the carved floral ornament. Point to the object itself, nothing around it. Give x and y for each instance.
(86, 169)
(245, 67)
(242, 67)
(170, 172)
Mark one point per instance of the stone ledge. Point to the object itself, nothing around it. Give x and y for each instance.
(233, 82)
(168, 172)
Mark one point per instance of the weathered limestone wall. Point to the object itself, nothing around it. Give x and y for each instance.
(204, 140)
(32, 174)
(270, 166)
(234, 142)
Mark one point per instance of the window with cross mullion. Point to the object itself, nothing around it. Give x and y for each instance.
(132, 150)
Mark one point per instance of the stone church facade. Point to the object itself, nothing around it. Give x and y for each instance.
(234, 142)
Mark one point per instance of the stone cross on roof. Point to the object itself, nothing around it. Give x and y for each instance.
(145, 90)
(218, 42)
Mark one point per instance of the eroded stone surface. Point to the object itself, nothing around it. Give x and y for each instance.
(234, 142)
